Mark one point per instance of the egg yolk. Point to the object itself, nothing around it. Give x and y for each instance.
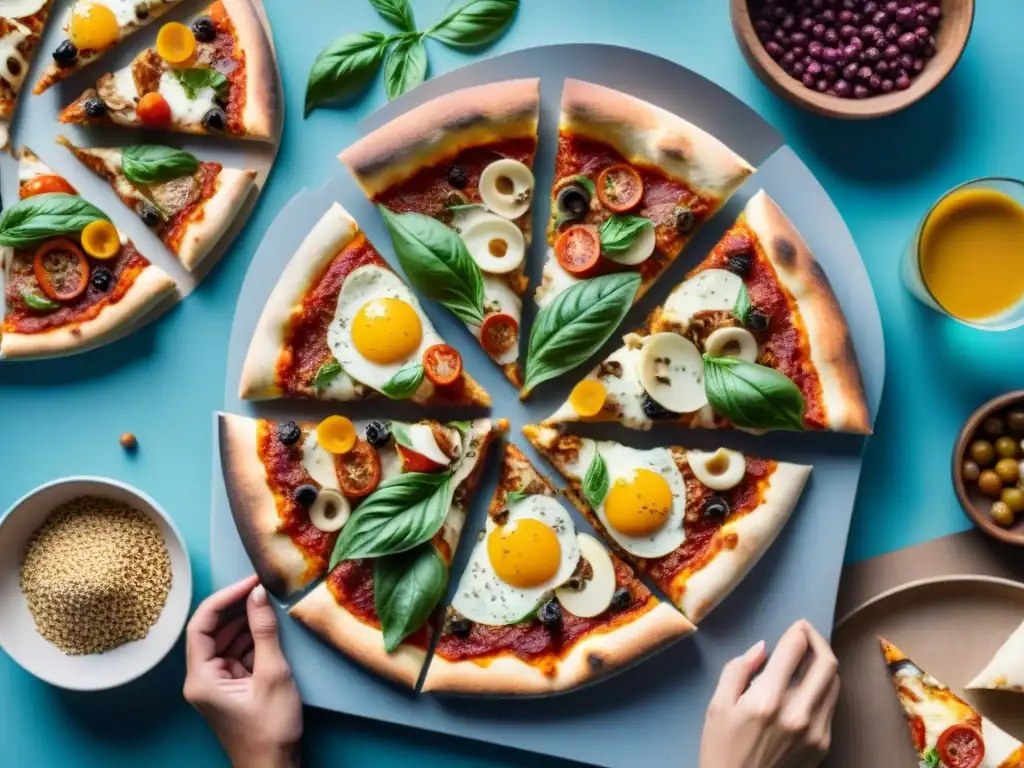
(638, 505)
(93, 26)
(386, 331)
(525, 553)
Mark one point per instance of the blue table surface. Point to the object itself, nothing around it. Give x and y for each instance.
(64, 417)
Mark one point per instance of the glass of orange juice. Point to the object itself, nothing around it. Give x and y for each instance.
(967, 257)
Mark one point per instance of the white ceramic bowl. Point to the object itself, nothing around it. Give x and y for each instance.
(18, 635)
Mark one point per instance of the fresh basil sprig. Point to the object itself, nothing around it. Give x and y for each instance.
(397, 13)
(619, 232)
(153, 163)
(406, 589)
(464, 426)
(436, 261)
(574, 326)
(41, 217)
(327, 373)
(474, 23)
(344, 69)
(194, 79)
(932, 759)
(595, 481)
(517, 495)
(752, 396)
(405, 67)
(404, 384)
(585, 182)
(743, 306)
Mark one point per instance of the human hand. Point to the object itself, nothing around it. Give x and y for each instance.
(240, 681)
(777, 721)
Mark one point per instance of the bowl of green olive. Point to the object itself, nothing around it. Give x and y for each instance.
(988, 467)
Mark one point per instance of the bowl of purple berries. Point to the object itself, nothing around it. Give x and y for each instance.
(852, 59)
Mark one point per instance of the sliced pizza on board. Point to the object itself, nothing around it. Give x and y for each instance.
(1006, 670)
(695, 522)
(21, 26)
(189, 203)
(341, 325)
(632, 184)
(540, 607)
(216, 76)
(454, 181)
(69, 277)
(945, 730)
(754, 338)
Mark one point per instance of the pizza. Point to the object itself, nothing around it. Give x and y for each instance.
(382, 511)
(341, 325)
(454, 181)
(215, 76)
(93, 27)
(754, 338)
(69, 277)
(21, 27)
(946, 731)
(540, 607)
(189, 203)
(1006, 670)
(695, 522)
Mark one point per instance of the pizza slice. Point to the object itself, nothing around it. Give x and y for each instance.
(216, 76)
(946, 731)
(632, 184)
(540, 607)
(187, 202)
(69, 277)
(1006, 670)
(341, 325)
(754, 338)
(695, 522)
(21, 27)
(454, 181)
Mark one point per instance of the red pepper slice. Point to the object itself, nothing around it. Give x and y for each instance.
(44, 185)
(61, 269)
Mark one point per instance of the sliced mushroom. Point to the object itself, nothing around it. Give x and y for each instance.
(506, 187)
(672, 372)
(719, 471)
(594, 595)
(330, 511)
(174, 195)
(732, 342)
(495, 243)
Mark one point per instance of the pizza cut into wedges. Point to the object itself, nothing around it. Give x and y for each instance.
(1006, 670)
(216, 76)
(340, 324)
(754, 338)
(189, 203)
(68, 277)
(945, 730)
(540, 607)
(695, 522)
(21, 27)
(454, 181)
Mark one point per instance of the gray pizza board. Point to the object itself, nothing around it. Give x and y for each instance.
(797, 578)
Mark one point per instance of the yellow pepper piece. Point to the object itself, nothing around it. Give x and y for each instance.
(101, 240)
(93, 26)
(588, 397)
(336, 434)
(175, 43)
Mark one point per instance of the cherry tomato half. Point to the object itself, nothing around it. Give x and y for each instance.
(498, 333)
(416, 462)
(359, 470)
(45, 184)
(442, 364)
(620, 188)
(578, 250)
(61, 269)
(961, 746)
(153, 109)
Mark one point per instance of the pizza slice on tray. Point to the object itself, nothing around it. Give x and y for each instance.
(946, 731)
(1006, 670)
(341, 325)
(632, 184)
(695, 522)
(454, 181)
(540, 607)
(754, 338)
(69, 277)
(21, 27)
(216, 76)
(187, 202)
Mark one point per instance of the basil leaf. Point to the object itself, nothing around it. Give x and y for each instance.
(405, 67)
(327, 373)
(574, 326)
(932, 759)
(400, 432)
(194, 80)
(585, 182)
(404, 384)
(742, 308)
(401, 514)
(464, 426)
(37, 302)
(406, 589)
(619, 232)
(474, 23)
(463, 207)
(153, 163)
(595, 481)
(41, 217)
(751, 395)
(344, 68)
(397, 13)
(436, 262)
(513, 496)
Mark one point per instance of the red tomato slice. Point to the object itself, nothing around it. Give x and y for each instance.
(498, 333)
(153, 109)
(578, 250)
(45, 184)
(620, 188)
(961, 746)
(358, 470)
(917, 733)
(416, 462)
(442, 364)
(61, 269)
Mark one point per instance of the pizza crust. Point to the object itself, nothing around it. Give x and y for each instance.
(149, 286)
(215, 215)
(831, 346)
(321, 613)
(259, 115)
(1005, 672)
(440, 129)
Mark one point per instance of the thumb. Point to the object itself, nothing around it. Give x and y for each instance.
(263, 628)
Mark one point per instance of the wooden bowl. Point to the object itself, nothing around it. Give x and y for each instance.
(974, 503)
(954, 29)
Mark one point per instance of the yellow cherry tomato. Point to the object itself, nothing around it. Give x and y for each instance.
(101, 240)
(93, 26)
(336, 434)
(175, 43)
(587, 398)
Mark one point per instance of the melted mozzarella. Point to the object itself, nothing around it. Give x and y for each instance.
(20, 9)
(125, 11)
(124, 84)
(319, 463)
(554, 281)
(30, 167)
(9, 52)
(183, 108)
(712, 289)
